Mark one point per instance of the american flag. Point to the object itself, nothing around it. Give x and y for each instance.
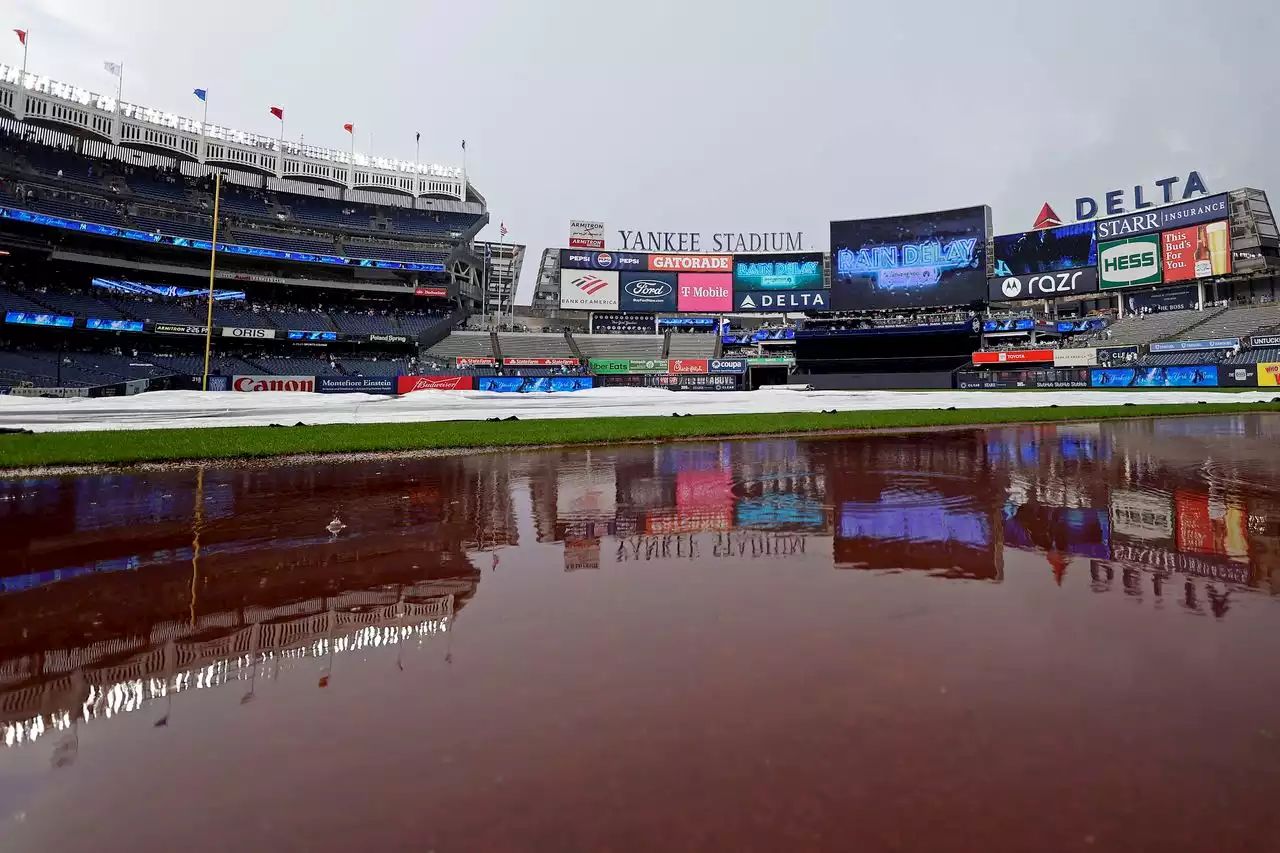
(502, 229)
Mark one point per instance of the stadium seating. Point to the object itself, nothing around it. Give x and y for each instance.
(1144, 329)
(1237, 323)
(692, 346)
(535, 345)
(182, 312)
(290, 366)
(1254, 356)
(465, 344)
(78, 305)
(225, 315)
(11, 301)
(619, 346)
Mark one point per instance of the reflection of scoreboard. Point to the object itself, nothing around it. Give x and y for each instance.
(902, 504)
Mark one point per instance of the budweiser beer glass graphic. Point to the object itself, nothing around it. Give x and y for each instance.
(1219, 249)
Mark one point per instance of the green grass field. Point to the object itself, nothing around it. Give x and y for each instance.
(176, 445)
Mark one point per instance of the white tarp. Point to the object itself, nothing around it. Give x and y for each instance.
(160, 409)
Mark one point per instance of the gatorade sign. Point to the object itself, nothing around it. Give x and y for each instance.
(1132, 262)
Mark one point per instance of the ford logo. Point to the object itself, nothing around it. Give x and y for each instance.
(648, 289)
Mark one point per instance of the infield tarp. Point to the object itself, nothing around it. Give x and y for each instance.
(182, 409)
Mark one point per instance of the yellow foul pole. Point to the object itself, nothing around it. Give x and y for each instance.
(213, 262)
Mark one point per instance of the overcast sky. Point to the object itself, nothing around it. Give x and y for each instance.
(715, 115)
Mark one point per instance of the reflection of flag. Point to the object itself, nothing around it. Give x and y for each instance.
(278, 113)
(202, 94)
(22, 36)
(495, 559)
(464, 145)
(113, 68)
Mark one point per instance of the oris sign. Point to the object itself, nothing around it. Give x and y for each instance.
(273, 383)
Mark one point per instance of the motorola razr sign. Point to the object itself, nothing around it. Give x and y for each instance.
(1043, 286)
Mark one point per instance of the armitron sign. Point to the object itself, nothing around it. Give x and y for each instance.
(273, 383)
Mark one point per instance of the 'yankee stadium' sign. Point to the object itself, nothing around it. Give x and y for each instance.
(721, 241)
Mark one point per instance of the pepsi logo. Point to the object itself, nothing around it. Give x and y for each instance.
(604, 259)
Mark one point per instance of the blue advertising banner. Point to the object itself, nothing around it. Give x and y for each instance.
(1185, 346)
(113, 325)
(686, 322)
(775, 301)
(365, 384)
(727, 365)
(312, 336)
(532, 384)
(1199, 376)
(1210, 209)
(24, 318)
(647, 292)
(581, 259)
(1012, 324)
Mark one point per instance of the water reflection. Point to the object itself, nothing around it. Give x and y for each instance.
(120, 593)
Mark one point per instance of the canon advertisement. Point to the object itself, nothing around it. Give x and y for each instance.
(915, 261)
(249, 384)
(1068, 247)
(1043, 285)
(649, 292)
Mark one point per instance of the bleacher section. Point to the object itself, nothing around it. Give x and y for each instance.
(535, 345)
(1237, 323)
(1140, 330)
(466, 344)
(63, 183)
(692, 346)
(619, 346)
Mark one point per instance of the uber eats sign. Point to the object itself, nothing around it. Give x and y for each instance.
(1130, 262)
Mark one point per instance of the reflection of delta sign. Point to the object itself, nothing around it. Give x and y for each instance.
(1130, 262)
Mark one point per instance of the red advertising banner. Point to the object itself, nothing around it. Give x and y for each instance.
(691, 263)
(688, 365)
(1198, 251)
(1016, 356)
(430, 291)
(540, 362)
(246, 384)
(475, 361)
(409, 384)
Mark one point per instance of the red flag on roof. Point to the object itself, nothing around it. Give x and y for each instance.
(22, 36)
(278, 113)
(1047, 218)
(349, 127)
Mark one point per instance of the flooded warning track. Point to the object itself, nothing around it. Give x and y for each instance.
(1037, 638)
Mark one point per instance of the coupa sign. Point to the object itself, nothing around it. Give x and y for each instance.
(273, 383)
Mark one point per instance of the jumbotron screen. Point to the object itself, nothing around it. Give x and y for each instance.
(917, 261)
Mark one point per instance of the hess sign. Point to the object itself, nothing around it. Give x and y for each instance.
(1044, 286)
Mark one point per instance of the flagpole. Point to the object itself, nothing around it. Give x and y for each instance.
(417, 148)
(26, 40)
(213, 262)
(120, 83)
(205, 120)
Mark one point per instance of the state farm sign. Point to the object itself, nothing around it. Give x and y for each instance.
(1016, 356)
(273, 383)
